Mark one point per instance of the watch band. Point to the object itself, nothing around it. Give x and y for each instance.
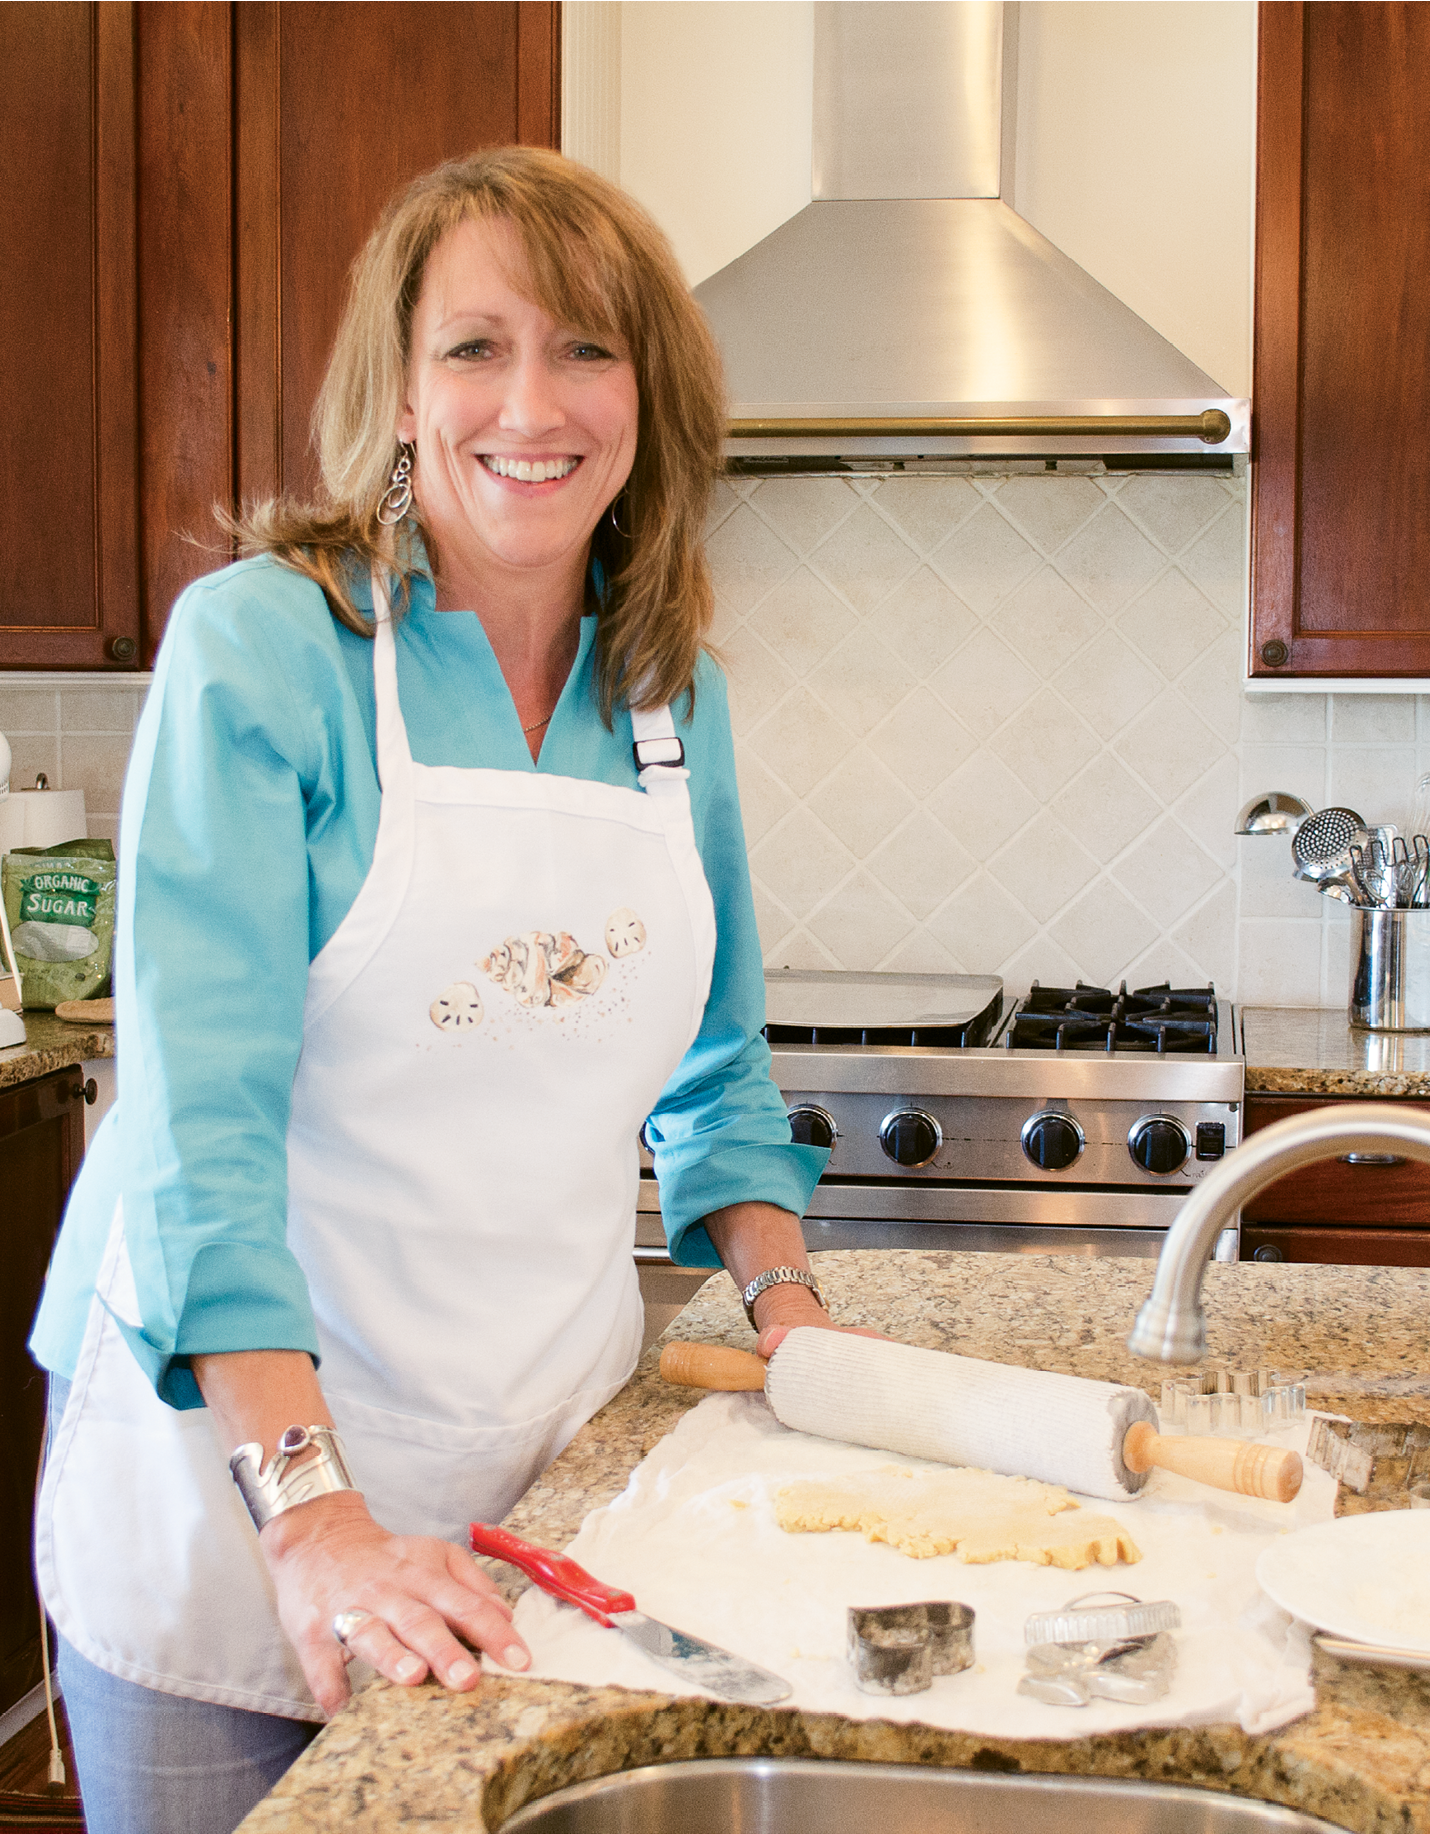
(284, 1485)
(778, 1276)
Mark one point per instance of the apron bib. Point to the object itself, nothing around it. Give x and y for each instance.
(523, 969)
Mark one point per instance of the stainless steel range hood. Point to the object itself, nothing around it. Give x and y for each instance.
(908, 312)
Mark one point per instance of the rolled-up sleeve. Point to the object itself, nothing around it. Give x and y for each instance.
(719, 1133)
(210, 976)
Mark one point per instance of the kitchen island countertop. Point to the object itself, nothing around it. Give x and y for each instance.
(1317, 1051)
(52, 1044)
(400, 1759)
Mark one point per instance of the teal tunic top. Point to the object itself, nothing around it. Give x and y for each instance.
(250, 817)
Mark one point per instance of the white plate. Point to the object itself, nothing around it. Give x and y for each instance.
(1366, 1577)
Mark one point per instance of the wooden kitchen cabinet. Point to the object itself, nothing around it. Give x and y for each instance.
(41, 1145)
(189, 185)
(1336, 1211)
(1341, 480)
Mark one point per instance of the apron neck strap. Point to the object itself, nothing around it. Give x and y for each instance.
(394, 758)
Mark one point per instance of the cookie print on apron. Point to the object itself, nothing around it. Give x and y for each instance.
(524, 968)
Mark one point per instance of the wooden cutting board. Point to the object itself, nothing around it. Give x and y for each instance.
(86, 1012)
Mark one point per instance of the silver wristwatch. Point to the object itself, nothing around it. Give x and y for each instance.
(283, 1485)
(778, 1276)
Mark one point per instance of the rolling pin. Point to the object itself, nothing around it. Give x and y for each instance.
(1093, 1437)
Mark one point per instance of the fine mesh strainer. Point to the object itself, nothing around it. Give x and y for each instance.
(1321, 846)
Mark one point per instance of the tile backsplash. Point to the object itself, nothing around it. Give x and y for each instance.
(991, 724)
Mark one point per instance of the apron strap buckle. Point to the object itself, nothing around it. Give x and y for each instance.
(669, 753)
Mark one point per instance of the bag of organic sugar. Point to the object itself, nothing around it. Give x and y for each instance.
(59, 902)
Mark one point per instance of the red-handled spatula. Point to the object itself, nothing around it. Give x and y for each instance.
(699, 1664)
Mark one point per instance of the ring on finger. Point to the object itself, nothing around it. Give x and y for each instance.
(347, 1623)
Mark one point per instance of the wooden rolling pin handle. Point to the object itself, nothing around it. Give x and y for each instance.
(712, 1366)
(1226, 1464)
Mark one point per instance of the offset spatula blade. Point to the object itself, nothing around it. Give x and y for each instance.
(698, 1664)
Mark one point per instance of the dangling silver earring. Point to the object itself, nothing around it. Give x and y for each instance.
(624, 534)
(397, 498)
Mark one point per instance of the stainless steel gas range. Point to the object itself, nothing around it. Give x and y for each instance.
(1070, 1119)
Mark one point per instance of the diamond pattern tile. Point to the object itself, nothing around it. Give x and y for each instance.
(1103, 932)
(1212, 684)
(1202, 811)
(1216, 561)
(1047, 622)
(925, 509)
(1106, 807)
(800, 863)
(981, 926)
(803, 511)
(984, 683)
(861, 802)
(982, 804)
(1044, 868)
(861, 925)
(923, 621)
(1050, 509)
(1167, 873)
(1170, 747)
(985, 559)
(801, 742)
(921, 742)
(1110, 560)
(747, 558)
(1172, 622)
(802, 622)
(1171, 509)
(755, 675)
(722, 503)
(920, 863)
(862, 681)
(1045, 745)
(764, 800)
(864, 559)
(1108, 683)
(1208, 936)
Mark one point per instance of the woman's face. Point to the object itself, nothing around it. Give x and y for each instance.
(525, 429)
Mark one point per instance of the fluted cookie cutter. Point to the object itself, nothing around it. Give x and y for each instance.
(898, 1649)
(1105, 1644)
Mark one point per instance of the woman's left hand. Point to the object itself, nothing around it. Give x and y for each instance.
(782, 1308)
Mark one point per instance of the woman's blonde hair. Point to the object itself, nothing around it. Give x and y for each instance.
(597, 263)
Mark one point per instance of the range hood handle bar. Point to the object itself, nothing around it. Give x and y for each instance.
(1212, 426)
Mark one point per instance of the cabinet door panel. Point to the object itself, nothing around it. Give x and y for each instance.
(68, 570)
(1369, 1196)
(1341, 569)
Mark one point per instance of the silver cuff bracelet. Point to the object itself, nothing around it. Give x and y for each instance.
(283, 1485)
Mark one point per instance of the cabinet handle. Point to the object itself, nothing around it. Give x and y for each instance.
(1371, 1159)
(88, 1092)
(123, 649)
(1274, 653)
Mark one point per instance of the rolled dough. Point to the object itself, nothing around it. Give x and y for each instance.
(976, 1515)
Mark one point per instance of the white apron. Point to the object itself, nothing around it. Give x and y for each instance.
(525, 966)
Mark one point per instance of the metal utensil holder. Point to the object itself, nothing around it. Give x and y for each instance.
(1390, 970)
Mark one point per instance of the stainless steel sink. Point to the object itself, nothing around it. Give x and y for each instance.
(826, 1796)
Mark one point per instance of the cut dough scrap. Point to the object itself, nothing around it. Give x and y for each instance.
(976, 1515)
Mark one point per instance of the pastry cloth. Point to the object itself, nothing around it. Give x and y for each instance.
(693, 1537)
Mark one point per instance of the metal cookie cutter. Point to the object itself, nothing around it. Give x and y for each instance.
(1107, 1644)
(898, 1649)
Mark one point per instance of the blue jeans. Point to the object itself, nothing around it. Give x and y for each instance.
(152, 1763)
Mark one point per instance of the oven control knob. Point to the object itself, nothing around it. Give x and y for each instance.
(910, 1137)
(811, 1126)
(1159, 1143)
(1052, 1141)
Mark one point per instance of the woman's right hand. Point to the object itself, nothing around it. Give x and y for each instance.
(328, 1556)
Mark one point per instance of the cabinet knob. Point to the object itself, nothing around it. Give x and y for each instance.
(1274, 653)
(88, 1090)
(1267, 1252)
(123, 649)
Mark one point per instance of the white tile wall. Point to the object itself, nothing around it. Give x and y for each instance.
(989, 724)
(996, 724)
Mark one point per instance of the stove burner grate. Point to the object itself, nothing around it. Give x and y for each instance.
(1163, 1020)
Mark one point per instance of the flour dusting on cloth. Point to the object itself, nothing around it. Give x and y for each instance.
(695, 1537)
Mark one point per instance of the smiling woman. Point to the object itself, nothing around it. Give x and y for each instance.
(432, 825)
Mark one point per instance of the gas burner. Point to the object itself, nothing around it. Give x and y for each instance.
(1163, 1020)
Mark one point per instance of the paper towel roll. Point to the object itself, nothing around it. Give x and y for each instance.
(41, 818)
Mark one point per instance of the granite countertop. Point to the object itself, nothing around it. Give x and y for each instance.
(422, 1758)
(52, 1044)
(1316, 1051)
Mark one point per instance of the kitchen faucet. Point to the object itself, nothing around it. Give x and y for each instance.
(1171, 1327)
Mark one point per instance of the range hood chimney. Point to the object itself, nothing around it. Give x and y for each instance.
(908, 313)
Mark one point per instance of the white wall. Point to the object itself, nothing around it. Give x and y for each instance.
(714, 101)
(1135, 140)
